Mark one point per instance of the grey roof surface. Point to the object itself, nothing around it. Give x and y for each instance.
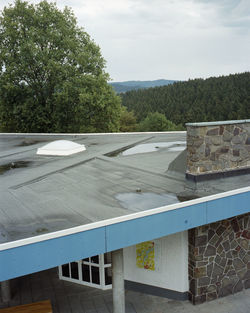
(49, 193)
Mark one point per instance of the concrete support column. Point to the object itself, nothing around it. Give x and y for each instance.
(5, 291)
(118, 282)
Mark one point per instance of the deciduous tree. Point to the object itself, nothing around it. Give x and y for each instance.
(156, 122)
(52, 74)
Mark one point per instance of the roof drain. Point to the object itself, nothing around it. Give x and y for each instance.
(61, 148)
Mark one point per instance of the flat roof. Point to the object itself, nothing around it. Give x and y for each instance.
(91, 199)
(41, 194)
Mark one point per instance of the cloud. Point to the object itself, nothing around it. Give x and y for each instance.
(229, 13)
(172, 39)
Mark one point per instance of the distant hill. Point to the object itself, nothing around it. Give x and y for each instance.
(197, 100)
(139, 84)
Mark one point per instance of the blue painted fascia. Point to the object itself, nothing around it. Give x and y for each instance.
(42, 255)
(227, 207)
(155, 226)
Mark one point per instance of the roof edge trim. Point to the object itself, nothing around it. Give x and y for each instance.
(91, 134)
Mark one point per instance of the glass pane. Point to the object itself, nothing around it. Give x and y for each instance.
(95, 275)
(74, 270)
(85, 273)
(107, 258)
(86, 260)
(108, 276)
(65, 270)
(95, 259)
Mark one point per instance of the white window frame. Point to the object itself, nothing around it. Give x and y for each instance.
(101, 269)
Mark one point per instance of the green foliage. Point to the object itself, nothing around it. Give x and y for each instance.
(156, 122)
(52, 76)
(127, 121)
(198, 100)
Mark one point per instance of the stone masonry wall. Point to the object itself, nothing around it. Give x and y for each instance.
(219, 259)
(218, 147)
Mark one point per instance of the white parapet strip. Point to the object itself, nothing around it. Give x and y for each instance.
(91, 134)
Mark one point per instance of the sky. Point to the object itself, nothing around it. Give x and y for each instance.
(166, 39)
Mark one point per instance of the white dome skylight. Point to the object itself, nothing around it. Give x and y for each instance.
(61, 147)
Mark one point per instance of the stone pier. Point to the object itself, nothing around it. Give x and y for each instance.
(219, 259)
(218, 147)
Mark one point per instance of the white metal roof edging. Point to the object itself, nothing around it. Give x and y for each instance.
(116, 220)
(217, 123)
(92, 134)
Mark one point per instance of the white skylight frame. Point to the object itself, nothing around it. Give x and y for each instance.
(61, 148)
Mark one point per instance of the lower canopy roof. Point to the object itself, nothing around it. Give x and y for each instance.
(61, 209)
(45, 251)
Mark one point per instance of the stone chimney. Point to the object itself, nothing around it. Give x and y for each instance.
(217, 149)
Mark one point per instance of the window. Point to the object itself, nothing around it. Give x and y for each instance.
(94, 271)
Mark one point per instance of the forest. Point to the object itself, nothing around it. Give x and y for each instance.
(197, 100)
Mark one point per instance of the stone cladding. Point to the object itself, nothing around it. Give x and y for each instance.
(219, 259)
(218, 147)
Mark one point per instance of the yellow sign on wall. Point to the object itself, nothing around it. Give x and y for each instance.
(145, 255)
